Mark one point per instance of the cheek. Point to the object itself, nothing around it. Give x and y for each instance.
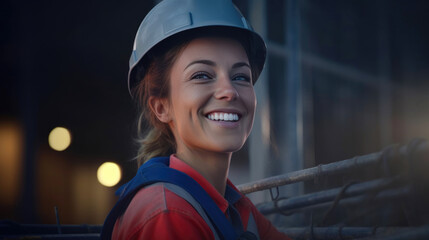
(195, 97)
(249, 99)
(250, 102)
(187, 103)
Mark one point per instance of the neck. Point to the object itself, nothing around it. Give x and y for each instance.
(214, 167)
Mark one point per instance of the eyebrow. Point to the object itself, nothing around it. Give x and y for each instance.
(211, 63)
(240, 64)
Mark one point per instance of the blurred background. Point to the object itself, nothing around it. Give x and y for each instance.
(343, 78)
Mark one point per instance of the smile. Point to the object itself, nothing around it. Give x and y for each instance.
(221, 116)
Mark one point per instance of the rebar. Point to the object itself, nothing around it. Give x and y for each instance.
(309, 173)
(87, 236)
(326, 169)
(306, 200)
(284, 206)
(362, 233)
(13, 228)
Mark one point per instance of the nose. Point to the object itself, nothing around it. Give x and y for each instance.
(225, 90)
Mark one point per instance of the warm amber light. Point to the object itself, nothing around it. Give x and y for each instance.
(59, 139)
(109, 174)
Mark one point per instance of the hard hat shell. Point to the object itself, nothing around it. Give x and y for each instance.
(171, 17)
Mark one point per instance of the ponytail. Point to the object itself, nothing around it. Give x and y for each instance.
(154, 143)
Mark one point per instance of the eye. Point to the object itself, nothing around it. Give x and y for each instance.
(201, 76)
(241, 77)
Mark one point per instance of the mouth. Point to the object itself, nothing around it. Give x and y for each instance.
(223, 116)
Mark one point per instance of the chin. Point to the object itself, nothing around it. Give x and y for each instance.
(229, 147)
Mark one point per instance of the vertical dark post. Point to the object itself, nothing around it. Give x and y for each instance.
(294, 160)
(28, 92)
(259, 139)
(384, 70)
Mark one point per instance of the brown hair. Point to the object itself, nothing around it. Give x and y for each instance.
(155, 76)
(158, 140)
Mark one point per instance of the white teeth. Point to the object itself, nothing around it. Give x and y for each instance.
(223, 116)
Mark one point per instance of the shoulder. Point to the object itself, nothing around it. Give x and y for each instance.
(156, 207)
(152, 200)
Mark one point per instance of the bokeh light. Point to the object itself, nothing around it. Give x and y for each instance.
(109, 174)
(59, 139)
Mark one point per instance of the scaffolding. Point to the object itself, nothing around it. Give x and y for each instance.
(394, 204)
(401, 185)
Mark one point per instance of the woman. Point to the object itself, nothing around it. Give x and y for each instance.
(192, 71)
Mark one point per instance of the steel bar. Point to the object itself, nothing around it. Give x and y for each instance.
(12, 228)
(88, 236)
(327, 195)
(321, 170)
(334, 233)
(418, 233)
(347, 72)
(293, 116)
(309, 173)
(284, 207)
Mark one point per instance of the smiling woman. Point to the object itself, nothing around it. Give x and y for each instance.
(210, 87)
(194, 83)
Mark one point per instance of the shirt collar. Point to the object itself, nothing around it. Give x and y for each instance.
(231, 193)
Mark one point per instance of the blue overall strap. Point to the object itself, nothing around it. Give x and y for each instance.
(188, 197)
(157, 170)
(126, 193)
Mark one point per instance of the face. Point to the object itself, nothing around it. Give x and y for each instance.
(212, 101)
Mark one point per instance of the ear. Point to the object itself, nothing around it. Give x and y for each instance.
(161, 108)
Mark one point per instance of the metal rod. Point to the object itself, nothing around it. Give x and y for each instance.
(293, 100)
(58, 219)
(285, 208)
(417, 233)
(349, 73)
(322, 170)
(13, 228)
(88, 236)
(333, 233)
(309, 173)
(326, 196)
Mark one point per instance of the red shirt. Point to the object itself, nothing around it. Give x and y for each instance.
(157, 213)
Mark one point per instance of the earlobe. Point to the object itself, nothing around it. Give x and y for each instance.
(160, 107)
